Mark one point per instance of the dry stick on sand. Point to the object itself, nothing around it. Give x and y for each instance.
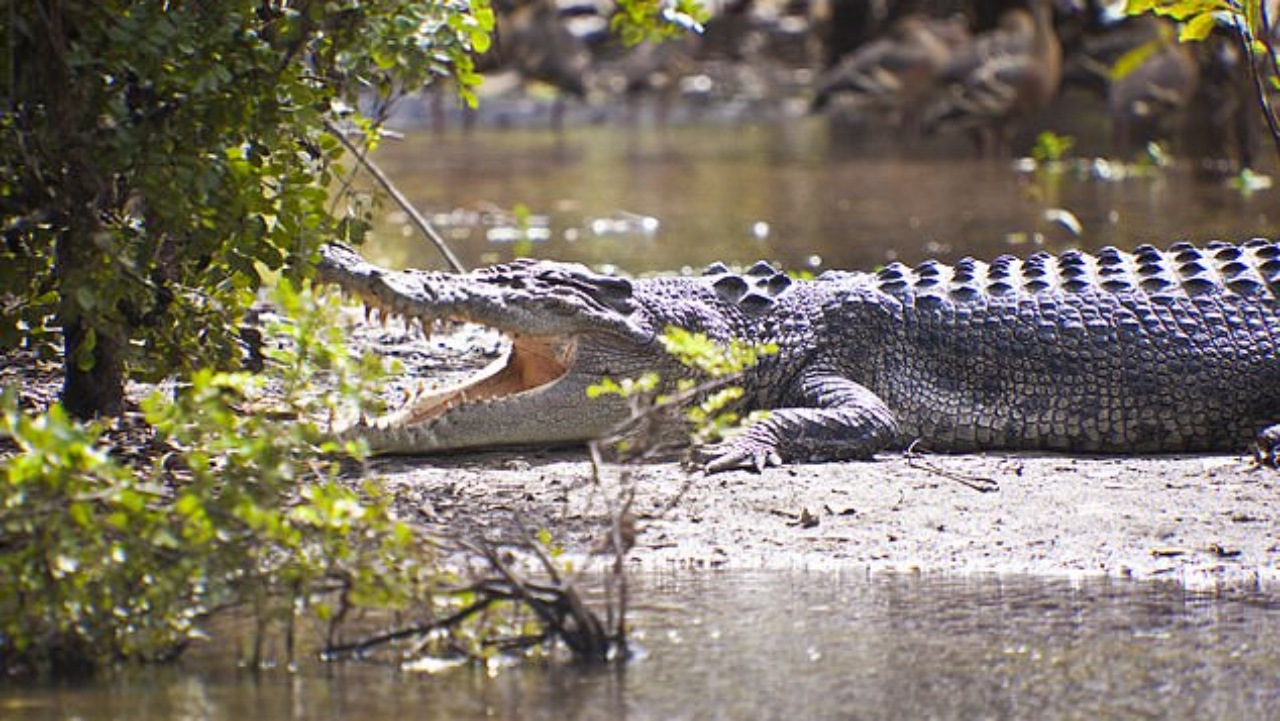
(982, 484)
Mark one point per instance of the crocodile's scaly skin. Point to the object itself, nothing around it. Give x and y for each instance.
(1172, 350)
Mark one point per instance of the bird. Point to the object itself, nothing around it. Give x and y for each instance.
(1145, 74)
(1003, 77)
(890, 77)
(533, 38)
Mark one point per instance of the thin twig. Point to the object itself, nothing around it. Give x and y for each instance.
(982, 484)
(1255, 73)
(675, 400)
(422, 224)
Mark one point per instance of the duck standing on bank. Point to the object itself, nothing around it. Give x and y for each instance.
(890, 78)
(1002, 78)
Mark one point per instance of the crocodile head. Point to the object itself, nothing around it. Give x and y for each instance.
(568, 327)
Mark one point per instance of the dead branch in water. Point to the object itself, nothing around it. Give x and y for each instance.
(562, 614)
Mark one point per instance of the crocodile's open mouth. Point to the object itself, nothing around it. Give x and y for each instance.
(529, 363)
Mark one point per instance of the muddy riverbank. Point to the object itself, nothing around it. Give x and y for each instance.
(1199, 520)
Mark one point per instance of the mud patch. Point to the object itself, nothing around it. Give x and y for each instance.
(1201, 520)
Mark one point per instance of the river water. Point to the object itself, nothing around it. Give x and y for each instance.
(795, 645)
(802, 193)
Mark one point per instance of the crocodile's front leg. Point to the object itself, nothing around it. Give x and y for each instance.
(842, 420)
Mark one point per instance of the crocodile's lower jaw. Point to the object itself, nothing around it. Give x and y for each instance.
(530, 364)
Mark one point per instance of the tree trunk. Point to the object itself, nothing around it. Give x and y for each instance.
(93, 384)
(99, 389)
(93, 381)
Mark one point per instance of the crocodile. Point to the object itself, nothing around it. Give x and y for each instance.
(1154, 350)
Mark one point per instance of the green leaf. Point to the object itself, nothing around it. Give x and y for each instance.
(1197, 28)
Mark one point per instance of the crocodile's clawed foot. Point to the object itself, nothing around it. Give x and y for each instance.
(1266, 447)
(731, 456)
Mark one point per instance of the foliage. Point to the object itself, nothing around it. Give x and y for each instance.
(159, 161)
(708, 402)
(1248, 19)
(638, 21)
(1051, 147)
(156, 158)
(104, 562)
(1198, 16)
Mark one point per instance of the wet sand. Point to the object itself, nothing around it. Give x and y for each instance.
(1200, 520)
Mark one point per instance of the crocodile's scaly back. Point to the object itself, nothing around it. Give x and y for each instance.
(1150, 351)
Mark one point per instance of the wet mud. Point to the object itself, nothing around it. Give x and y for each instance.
(1196, 519)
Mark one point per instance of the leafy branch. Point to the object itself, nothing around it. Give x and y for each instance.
(707, 396)
(1250, 22)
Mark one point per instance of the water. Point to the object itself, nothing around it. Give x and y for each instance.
(803, 645)
(801, 193)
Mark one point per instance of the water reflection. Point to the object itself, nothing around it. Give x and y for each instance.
(766, 645)
(796, 192)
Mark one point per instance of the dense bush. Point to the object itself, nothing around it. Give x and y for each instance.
(102, 561)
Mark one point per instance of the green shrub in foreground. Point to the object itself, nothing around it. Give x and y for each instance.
(101, 562)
